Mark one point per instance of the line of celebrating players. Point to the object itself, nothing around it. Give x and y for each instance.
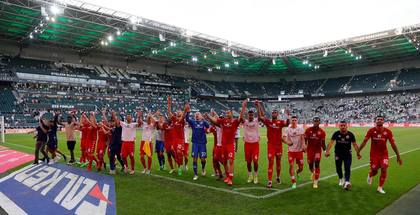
(118, 138)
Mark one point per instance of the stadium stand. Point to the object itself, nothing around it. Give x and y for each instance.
(125, 90)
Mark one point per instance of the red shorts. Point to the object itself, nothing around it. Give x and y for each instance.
(91, 146)
(101, 148)
(127, 148)
(228, 152)
(186, 149)
(274, 150)
(295, 156)
(378, 162)
(218, 153)
(179, 147)
(83, 145)
(168, 146)
(142, 152)
(252, 151)
(313, 155)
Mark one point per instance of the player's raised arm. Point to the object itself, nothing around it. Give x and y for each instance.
(212, 119)
(56, 115)
(139, 118)
(92, 121)
(261, 113)
(187, 115)
(241, 115)
(170, 107)
(104, 115)
(115, 119)
(287, 113)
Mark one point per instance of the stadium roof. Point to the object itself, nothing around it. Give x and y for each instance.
(86, 27)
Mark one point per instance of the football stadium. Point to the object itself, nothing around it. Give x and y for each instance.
(107, 112)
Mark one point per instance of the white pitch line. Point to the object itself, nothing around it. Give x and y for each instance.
(206, 186)
(255, 188)
(329, 176)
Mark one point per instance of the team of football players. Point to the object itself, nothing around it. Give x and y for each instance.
(118, 138)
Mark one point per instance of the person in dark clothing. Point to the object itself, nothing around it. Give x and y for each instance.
(41, 140)
(52, 143)
(344, 140)
(115, 144)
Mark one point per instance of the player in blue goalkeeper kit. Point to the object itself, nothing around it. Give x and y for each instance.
(199, 140)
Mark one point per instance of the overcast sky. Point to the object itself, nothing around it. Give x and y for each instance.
(276, 25)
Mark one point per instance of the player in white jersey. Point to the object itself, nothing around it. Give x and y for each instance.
(128, 139)
(295, 138)
(252, 146)
(146, 148)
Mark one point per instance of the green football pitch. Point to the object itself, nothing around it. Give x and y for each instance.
(164, 193)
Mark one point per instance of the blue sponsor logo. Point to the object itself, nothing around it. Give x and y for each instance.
(57, 189)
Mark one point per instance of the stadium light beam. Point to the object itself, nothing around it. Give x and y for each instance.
(55, 10)
(162, 37)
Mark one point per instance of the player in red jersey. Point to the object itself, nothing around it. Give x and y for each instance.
(229, 126)
(93, 130)
(103, 139)
(379, 151)
(84, 142)
(314, 144)
(274, 137)
(166, 126)
(178, 124)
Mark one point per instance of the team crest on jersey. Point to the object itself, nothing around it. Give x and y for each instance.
(319, 133)
(347, 137)
(57, 189)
